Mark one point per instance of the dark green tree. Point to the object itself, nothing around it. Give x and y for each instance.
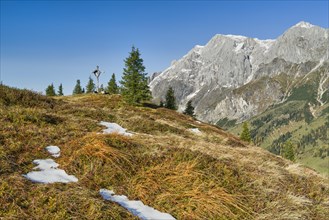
(189, 110)
(112, 87)
(135, 88)
(170, 99)
(77, 88)
(245, 135)
(60, 90)
(288, 151)
(90, 88)
(161, 104)
(50, 91)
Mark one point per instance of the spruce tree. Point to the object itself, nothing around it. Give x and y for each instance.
(50, 91)
(60, 90)
(170, 99)
(112, 87)
(135, 88)
(161, 104)
(77, 88)
(245, 135)
(189, 110)
(90, 86)
(288, 151)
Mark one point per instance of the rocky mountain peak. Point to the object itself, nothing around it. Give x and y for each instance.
(304, 24)
(211, 75)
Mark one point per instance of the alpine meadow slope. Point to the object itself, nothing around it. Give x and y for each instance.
(171, 162)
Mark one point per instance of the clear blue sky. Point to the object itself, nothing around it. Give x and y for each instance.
(45, 42)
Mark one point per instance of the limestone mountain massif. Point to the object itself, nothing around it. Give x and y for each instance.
(236, 77)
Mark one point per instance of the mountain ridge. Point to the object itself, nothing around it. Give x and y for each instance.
(233, 79)
(228, 62)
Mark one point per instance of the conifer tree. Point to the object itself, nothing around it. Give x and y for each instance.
(288, 151)
(189, 110)
(112, 87)
(245, 135)
(135, 88)
(90, 86)
(170, 99)
(161, 104)
(60, 90)
(77, 88)
(50, 91)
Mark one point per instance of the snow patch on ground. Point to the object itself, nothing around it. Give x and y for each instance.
(45, 164)
(54, 151)
(114, 128)
(48, 173)
(195, 130)
(136, 207)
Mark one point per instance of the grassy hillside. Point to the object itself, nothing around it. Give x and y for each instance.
(300, 119)
(211, 175)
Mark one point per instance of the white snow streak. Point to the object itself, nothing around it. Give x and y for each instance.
(321, 90)
(192, 94)
(136, 207)
(114, 128)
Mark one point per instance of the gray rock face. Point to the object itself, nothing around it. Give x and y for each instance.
(212, 75)
(152, 76)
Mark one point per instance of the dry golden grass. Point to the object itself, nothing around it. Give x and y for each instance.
(187, 192)
(208, 176)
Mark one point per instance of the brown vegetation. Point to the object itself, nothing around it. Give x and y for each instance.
(212, 175)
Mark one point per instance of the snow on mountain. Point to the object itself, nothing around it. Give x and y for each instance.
(304, 24)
